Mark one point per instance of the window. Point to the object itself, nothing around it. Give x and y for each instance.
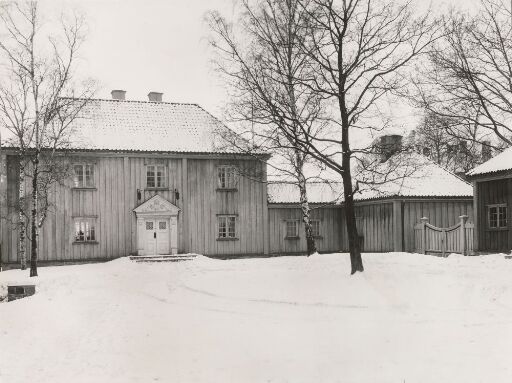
(155, 176)
(497, 216)
(227, 177)
(162, 225)
(85, 230)
(292, 229)
(84, 175)
(149, 225)
(315, 227)
(227, 226)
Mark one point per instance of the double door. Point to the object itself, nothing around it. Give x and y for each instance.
(157, 237)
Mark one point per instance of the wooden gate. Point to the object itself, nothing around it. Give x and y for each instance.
(455, 239)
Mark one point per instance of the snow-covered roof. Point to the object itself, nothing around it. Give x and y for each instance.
(501, 162)
(419, 177)
(317, 192)
(147, 126)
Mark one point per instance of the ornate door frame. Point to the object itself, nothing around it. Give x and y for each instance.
(156, 208)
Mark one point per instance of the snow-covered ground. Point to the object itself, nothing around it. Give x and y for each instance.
(408, 318)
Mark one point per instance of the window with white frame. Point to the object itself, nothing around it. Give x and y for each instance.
(155, 176)
(497, 216)
(227, 226)
(84, 175)
(85, 230)
(292, 228)
(227, 176)
(315, 228)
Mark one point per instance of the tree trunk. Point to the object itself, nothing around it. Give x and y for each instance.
(33, 223)
(22, 225)
(304, 205)
(354, 245)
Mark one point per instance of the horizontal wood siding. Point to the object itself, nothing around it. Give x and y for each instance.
(329, 229)
(440, 213)
(489, 193)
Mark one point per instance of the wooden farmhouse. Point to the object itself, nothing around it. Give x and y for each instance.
(492, 185)
(152, 178)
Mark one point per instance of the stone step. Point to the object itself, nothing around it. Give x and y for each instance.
(162, 258)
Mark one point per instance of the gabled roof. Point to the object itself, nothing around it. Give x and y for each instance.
(147, 126)
(427, 179)
(501, 162)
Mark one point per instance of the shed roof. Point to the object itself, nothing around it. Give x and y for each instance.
(427, 180)
(501, 162)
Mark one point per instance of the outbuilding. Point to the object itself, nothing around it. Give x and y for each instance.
(492, 185)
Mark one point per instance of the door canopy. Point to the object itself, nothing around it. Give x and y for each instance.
(156, 206)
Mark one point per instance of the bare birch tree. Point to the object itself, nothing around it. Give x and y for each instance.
(264, 63)
(361, 50)
(39, 100)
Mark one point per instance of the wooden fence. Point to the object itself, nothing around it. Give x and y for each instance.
(455, 239)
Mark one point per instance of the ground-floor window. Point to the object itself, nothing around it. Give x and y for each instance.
(85, 229)
(227, 226)
(497, 217)
(315, 227)
(292, 228)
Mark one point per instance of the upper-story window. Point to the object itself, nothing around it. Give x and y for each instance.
(227, 176)
(155, 176)
(84, 175)
(497, 216)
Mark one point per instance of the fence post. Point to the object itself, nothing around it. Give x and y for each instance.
(463, 220)
(424, 221)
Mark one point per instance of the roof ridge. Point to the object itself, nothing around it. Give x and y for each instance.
(136, 101)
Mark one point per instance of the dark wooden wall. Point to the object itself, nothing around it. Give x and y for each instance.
(489, 193)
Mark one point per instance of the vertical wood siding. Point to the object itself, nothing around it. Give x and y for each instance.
(111, 203)
(330, 218)
(439, 213)
(489, 193)
(259, 230)
(374, 223)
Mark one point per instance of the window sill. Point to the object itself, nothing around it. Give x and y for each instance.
(84, 188)
(85, 242)
(292, 238)
(157, 189)
(497, 229)
(227, 189)
(227, 239)
(318, 237)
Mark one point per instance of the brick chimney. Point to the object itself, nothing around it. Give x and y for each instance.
(155, 96)
(388, 145)
(118, 94)
(486, 151)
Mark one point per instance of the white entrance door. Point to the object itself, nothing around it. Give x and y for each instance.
(156, 236)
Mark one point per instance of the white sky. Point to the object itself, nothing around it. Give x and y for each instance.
(156, 45)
